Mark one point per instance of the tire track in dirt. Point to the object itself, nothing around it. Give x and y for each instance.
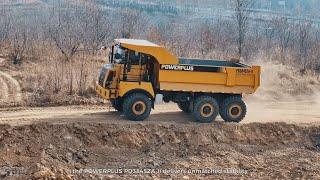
(3, 91)
(287, 112)
(10, 88)
(3, 87)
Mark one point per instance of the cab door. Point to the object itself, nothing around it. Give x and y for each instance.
(134, 70)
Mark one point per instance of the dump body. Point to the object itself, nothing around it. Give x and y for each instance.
(214, 76)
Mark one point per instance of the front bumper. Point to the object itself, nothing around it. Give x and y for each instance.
(104, 93)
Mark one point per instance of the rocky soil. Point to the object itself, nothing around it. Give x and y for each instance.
(81, 150)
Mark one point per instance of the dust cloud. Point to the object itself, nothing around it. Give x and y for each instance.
(286, 95)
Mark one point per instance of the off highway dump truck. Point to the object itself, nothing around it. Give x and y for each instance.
(138, 71)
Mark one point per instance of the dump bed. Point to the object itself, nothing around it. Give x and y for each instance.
(210, 62)
(214, 76)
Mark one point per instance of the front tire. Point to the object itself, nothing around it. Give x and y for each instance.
(137, 107)
(205, 109)
(233, 109)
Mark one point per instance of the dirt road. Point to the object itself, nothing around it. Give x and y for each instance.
(307, 113)
(10, 89)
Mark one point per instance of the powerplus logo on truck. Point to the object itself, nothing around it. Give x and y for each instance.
(177, 67)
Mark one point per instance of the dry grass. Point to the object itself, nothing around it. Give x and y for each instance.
(55, 81)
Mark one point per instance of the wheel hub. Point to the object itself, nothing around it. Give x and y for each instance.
(207, 110)
(235, 110)
(139, 107)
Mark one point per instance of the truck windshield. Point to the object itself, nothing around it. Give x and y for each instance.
(121, 56)
(118, 55)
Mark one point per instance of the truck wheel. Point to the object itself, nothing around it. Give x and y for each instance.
(184, 106)
(205, 109)
(233, 109)
(117, 104)
(137, 107)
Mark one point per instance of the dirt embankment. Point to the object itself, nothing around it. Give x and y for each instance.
(272, 150)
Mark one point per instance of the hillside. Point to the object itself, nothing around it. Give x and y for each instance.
(19, 2)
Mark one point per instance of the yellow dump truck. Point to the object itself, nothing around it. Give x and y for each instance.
(138, 70)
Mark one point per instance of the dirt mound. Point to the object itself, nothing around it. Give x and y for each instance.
(97, 150)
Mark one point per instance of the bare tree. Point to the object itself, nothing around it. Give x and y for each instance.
(96, 25)
(303, 35)
(82, 80)
(66, 32)
(268, 39)
(155, 34)
(242, 14)
(206, 38)
(285, 36)
(129, 19)
(18, 38)
(18, 46)
(5, 23)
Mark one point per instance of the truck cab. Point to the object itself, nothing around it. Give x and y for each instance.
(129, 72)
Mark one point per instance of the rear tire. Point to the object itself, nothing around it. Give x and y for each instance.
(137, 107)
(117, 104)
(233, 109)
(205, 109)
(184, 106)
